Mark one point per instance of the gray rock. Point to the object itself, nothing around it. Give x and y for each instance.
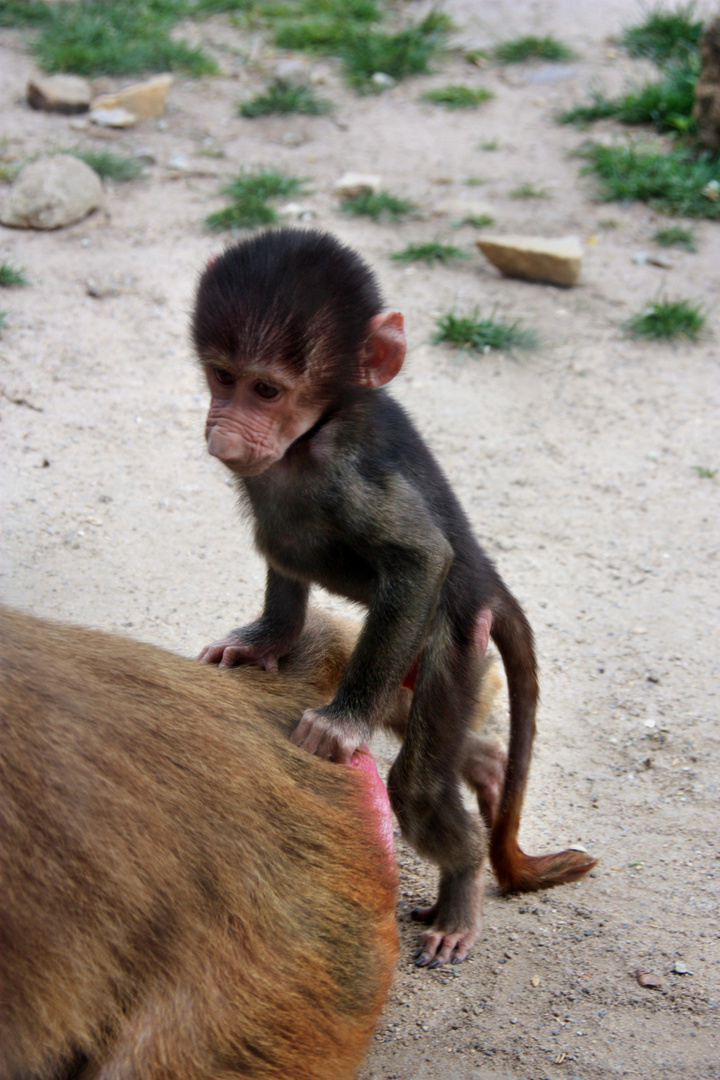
(59, 93)
(52, 192)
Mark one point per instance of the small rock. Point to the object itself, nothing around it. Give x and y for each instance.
(52, 192)
(143, 100)
(640, 258)
(352, 184)
(100, 289)
(295, 212)
(80, 124)
(659, 260)
(645, 978)
(59, 93)
(383, 81)
(115, 118)
(682, 969)
(181, 162)
(535, 258)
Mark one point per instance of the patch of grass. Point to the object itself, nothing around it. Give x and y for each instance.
(528, 191)
(530, 47)
(458, 97)
(250, 194)
(489, 144)
(110, 166)
(668, 319)
(430, 252)
(679, 182)
(664, 34)
(474, 334)
(378, 205)
(599, 107)
(704, 473)
(406, 52)
(24, 12)
(478, 221)
(350, 30)
(94, 37)
(284, 96)
(319, 26)
(3, 320)
(666, 102)
(676, 236)
(10, 275)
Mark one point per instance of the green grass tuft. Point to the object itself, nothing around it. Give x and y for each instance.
(678, 182)
(676, 236)
(10, 275)
(250, 194)
(284, 96)
(668, 319)
(430, 252)
(378, 205)
(704, 473)
(24, 12)
(110, 166)
(93, 37)
(406, 52)
(472, 333)
(477, 221)
(664, 34)
(489, 144)
(458, 97)
(666, 102)
(531, 47)
(529, 191)
(3, 320)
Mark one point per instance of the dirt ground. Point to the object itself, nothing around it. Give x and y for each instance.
(577, 463)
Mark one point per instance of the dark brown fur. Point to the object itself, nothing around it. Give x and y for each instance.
(184, 894)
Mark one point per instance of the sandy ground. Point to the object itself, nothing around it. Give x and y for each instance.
(576, 463)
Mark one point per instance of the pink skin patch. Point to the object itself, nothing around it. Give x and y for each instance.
(378, 804)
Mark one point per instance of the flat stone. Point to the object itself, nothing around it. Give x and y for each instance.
(536, 258)
(113, 118)
(52, 192)
(144, 100)
(352, 184)
(59, 93)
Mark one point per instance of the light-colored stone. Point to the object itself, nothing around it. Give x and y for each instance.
(52, 192)
(536, 258)
(114, 118)
(383, 81)
(295, 212)
(59, 93)
(144, 100)
(352, 184)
